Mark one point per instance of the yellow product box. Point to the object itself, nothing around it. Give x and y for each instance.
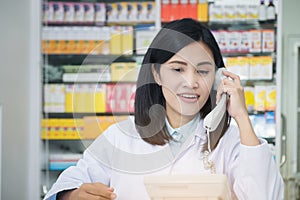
(249, 98)
(132, 72)
(87, 98)
(69, 93)
(65, 130)
(116, 40)
(271, 97)
(239, 66)
(99, 98)
(127, 40)
(44, 129)
(260, 97)
(82, 98)
(203, 10)
(124, 71)
(231, 64)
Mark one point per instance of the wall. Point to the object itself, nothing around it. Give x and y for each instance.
(290, 27)
(20, 97)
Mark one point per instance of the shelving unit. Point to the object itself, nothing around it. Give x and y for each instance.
(63, 132)
(69, 126)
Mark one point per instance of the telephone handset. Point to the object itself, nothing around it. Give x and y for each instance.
(212, 120)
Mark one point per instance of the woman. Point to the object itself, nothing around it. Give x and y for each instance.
(166, 136)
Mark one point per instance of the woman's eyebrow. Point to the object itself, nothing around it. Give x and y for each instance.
(178, 62)
(184, 63)
(204, 63)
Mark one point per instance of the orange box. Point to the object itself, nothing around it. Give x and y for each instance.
(94, 126)
(165, 10)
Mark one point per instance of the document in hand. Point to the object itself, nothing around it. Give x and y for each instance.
(188, 187)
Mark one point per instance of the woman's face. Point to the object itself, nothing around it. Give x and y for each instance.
(186, 80)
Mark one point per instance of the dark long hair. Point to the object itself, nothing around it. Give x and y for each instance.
(150, 103)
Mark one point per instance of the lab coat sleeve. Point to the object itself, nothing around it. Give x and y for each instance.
(254, 173)
(87, 170)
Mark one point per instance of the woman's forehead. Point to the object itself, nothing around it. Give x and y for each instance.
(194, 52)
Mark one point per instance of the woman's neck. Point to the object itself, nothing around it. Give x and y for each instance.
(177, 122)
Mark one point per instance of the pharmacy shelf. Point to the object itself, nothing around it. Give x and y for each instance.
(247, 24)
(81, 115)
(80, 59)
(236, 54)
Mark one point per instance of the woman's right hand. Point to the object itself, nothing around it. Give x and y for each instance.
(89, 191)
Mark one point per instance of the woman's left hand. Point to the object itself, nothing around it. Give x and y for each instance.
(236, 107)
(232, 85)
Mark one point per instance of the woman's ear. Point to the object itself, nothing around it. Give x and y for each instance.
(155, 75)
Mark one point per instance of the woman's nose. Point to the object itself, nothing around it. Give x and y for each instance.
(191, 79)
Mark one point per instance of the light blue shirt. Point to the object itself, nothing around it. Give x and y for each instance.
(181, 134)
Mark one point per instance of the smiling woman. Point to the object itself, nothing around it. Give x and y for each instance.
(186, 80)
(166, 135)
(183, 52)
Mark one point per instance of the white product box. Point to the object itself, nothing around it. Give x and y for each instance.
(79, 12)
(261, 68)
(69, 12)
(100, 12)
(234, 41)
(252, 12)
(89, 12)
(47, 12)
(144, 38)
(255, 40)
(216, 13)
(54, 98)
(245, 41)
(268, 41)
(58, 12)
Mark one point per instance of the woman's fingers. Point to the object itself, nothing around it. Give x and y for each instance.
(99, 189)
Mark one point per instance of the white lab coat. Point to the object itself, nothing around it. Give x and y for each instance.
(120, 158)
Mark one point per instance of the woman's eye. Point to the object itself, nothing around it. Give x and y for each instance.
(203, 72)
(178, 69)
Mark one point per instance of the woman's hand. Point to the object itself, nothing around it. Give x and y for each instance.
(236, 107)
(89, 191)
(232, 85)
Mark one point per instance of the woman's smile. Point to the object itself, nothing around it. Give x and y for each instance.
(188, 97)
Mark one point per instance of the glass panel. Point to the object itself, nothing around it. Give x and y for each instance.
(298, 77)
(298, 143)
(298, 115)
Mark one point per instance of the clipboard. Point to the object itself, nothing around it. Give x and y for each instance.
(188, 187)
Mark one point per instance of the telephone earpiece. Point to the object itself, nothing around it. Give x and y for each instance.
(212, 120)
